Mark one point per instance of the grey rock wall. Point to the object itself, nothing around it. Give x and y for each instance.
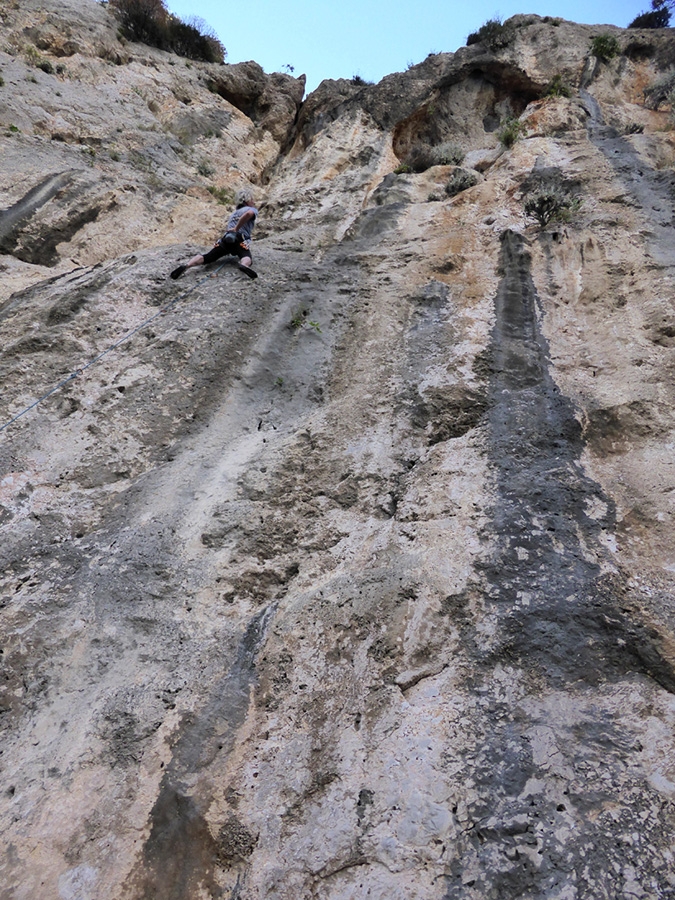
(355, 580)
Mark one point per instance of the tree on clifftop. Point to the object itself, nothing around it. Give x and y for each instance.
(658, 17)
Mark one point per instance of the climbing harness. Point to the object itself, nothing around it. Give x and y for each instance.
(112, 347)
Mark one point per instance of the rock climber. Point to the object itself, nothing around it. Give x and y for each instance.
(235, 242)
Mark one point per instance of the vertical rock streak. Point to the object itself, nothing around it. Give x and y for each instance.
(651, 188)
(180, 853)
(545, 766)
(547, 560)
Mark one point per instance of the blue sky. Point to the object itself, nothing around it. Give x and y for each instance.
(344, 38)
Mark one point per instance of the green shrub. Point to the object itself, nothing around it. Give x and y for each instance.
(557, 87)
(2, 81)
(461, 180)
(634, 128)
(194, 39)
(149, 22)
(142, 20)
(605, 47)
(34, 58)
(205, 168)
(511, 131)
(403, 169)
(548, 204)
(300, 321)
(493, 33)
(32, 54)
(447, 154)
(658, 17)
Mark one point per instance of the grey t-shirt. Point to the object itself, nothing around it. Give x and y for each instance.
(247, 228)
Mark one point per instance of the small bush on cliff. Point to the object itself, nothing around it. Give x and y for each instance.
(149, 22)
(300, 321)
(447, 154)
(511, 131)
(34, 58)
(548, 204)
(195, 40)
(493, 33)
(204, 168)
(461, 180)
(557, 87)
(605, 47)
(423, 157)
(142, 20)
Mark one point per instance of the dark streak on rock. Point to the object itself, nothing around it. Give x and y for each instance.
(181, 853)
(560, 620)
(15, 216)
(560, 615)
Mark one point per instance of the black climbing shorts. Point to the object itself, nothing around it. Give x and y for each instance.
(222, 248)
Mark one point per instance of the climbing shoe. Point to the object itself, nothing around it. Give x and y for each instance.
(178, 272)
(248, 270)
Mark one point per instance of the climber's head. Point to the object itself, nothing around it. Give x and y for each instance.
(244, 197)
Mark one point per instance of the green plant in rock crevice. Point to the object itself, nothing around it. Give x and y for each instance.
(299, 321)
(511, 131)
(557, 87)
(204, 168)
(34, 58)
(460, 180)
(551, 204)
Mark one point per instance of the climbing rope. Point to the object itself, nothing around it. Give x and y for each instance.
(96, 359)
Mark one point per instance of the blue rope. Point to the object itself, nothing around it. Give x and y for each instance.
(112, 347)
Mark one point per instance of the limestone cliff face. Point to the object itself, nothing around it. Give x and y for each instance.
(356, 580)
